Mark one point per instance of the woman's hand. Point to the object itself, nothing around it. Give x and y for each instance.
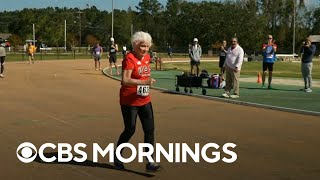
(150, 81)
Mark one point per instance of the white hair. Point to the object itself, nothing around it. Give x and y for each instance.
(141, 36)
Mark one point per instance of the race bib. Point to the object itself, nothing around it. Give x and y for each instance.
(98, 52)
(142, 90)
(270, 56)
(112, 50)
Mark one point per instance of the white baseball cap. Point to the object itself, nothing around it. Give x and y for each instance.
(112, 39)
(195, 39)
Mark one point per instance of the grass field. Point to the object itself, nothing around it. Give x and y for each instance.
(281, 68)
(287, 96)
(284, 94)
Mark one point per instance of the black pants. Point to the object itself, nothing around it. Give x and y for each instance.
(2, 58)
(129, 114)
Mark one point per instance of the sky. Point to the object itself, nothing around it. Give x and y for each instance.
(11, 5)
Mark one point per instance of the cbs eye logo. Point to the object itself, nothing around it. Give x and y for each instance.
(26, 154)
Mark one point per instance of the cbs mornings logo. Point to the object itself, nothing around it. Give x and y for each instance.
(27, 154)
(176, 153)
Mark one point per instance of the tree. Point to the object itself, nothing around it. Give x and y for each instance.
(148, 15)
(91, 40)
(316, 21)
(15, 40)
(177, 24)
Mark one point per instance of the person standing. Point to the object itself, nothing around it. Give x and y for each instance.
(2, 59)
(134, 94)
(232, 65)
(195, 53)
(124, 51)
(31, 49)
(97, 53)
(269, 56)
(222, 57)
(307, 52)
(169, 51)
(112, 55)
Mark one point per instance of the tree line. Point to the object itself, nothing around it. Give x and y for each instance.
(175, 23)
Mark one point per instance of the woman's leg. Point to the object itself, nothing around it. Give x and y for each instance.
(129, 114)
(147, 120)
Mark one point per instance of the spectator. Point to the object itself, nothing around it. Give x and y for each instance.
(2, 59)
(195, 53)
(112, 55)
(307, 51)
(222, 57)
(232, 65)
(124, 51)
(169, 50)
(97, 53)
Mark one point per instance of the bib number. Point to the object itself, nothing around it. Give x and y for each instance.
(98, 52)
(142, 90)
(270, 56)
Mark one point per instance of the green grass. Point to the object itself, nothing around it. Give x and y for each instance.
(281, 68)
(288, 96)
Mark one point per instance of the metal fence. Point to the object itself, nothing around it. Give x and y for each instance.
(53, 53)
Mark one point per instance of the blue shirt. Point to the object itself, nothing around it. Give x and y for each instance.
(269, 55)
(308, 53)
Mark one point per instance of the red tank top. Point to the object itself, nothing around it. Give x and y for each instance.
(136, 95)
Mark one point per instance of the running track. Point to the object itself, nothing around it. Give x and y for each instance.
(68, 101)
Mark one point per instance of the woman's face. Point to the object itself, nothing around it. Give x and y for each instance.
(270, 38)
(141, 49)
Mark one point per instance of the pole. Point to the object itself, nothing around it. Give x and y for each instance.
(112, 21)
(34, 34)
(80, 29)
(65, 35)
(294, 27)
(79, 12)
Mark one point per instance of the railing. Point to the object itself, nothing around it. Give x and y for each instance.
(288, 57)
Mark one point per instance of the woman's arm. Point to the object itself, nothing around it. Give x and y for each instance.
(127, 80)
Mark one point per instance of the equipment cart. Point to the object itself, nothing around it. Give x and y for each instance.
(189, 82)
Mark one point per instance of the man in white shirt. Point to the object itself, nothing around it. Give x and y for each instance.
(232, 67)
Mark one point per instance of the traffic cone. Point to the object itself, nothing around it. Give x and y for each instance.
(259, 80)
